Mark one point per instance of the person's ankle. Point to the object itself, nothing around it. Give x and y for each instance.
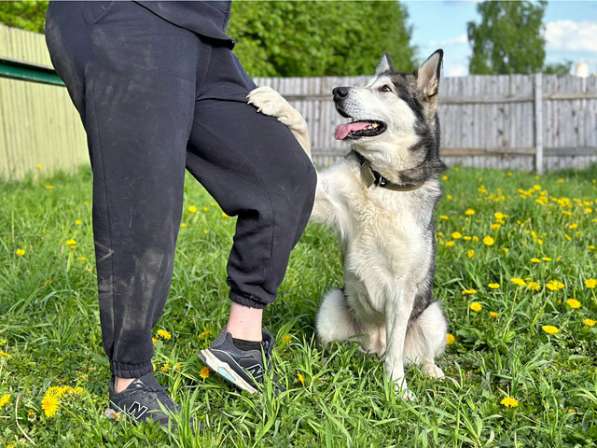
(121, 384)
(245, 323)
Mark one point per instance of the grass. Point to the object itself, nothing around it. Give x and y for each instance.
(49, 328)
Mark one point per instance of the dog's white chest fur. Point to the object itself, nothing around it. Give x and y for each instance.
(385, 233)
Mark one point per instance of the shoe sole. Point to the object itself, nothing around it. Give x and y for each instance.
(225, 371)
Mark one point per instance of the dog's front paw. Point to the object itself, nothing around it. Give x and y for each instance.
(268, 101)
(403, 391)
(433, 371)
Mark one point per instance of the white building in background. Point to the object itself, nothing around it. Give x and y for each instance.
(582, 69)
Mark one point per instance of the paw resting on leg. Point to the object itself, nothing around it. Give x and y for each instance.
(269, 102)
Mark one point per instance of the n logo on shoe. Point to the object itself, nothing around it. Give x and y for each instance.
(256, 371)
(137, 410)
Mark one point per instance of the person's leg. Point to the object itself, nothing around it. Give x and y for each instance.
(256, 170)
(133, 78)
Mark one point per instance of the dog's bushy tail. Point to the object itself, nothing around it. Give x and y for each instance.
(334, 319)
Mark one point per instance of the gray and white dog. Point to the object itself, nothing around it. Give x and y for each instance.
(380, 199)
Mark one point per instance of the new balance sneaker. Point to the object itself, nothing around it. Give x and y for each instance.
(141, 400)
(242, 368)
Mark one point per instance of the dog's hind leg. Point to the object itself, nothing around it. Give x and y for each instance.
(426, 340)
(334, 321)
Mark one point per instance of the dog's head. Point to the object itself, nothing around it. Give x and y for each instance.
(393, 118)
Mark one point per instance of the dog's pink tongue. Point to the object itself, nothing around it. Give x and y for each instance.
(343, 130)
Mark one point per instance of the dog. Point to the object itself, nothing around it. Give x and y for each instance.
(381, 199)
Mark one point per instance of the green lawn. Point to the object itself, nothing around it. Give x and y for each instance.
(49, 328)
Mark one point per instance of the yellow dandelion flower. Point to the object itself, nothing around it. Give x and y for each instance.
(4, 400)
(469, 212)
(456, 235)
(444, 178)
(164, 334)
(573, 226)
(4, 354)
(535, 260)
(450, 243)
(533, 286)
(470, 253)
(192, 209)
(488, 241)
(205, 334)
(509, 402)
(286, 339)
(165, 368)
(20, 252)
(71, 243)
(78, 222)
(469, 292)
(518, 281)
(467, 238)
(482, 189)
(50, 404)
(494, 285)
(493, 314)
(450, 339)
(555, 285)
(573, 303)
(591, 283)
(499, 216)
(589, 322)
(546, 258)
(300, 378)
(550, 329)
(449, 197)
(204, 373)
(476, 307)
(495, 227)
(183, 225)
(443, 217)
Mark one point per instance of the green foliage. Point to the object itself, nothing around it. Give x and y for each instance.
(285, 38)
(508, 39)
(28, 15)
(559, 68)
(50, 333)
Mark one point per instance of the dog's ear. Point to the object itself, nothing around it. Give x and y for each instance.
(428, 74)
(385, 64)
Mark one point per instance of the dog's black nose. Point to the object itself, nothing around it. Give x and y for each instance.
(340, 92)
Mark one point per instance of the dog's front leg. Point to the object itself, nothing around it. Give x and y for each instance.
(398, 309)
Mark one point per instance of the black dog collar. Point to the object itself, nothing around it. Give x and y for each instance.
(372, 177)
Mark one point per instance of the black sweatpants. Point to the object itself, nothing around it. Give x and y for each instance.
(156, 99)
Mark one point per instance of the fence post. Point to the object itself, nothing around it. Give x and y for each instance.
(538, 123)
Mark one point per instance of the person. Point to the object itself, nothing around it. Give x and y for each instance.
(159, 89)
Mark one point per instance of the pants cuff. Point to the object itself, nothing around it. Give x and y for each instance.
(125, 370)
(247, 300)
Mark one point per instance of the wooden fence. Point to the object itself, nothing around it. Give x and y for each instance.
(514, 122)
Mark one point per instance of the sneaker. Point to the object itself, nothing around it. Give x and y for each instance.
(243, 368)
(141, 400)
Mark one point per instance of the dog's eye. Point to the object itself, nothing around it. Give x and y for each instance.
(385, 88)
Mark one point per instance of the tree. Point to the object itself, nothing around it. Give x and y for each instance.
(287, 38)
(27, 15)
(558, 68)
(283, 38)
(508, 39)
